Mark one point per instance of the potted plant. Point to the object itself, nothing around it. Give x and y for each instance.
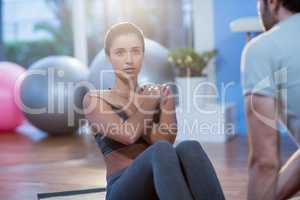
(188, 63)
(188, 66)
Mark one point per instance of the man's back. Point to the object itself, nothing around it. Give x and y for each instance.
(271, 67)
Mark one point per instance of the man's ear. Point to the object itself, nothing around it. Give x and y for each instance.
(274, 5)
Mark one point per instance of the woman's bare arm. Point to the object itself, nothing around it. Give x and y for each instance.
(105, 120)
(166, 129)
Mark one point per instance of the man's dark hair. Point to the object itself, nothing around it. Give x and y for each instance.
(291, 5)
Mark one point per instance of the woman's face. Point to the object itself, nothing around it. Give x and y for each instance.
(126, 56)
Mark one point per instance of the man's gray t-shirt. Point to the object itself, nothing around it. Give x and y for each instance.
(271, 67)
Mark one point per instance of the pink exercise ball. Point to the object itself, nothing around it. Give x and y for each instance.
(10, 113)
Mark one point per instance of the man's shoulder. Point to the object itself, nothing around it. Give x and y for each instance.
(268, 42)
(260, 51)
(264, 41)
(263, 46)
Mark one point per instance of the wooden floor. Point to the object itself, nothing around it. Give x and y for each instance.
(71, 163)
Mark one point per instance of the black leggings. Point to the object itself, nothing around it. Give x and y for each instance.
(167, 173)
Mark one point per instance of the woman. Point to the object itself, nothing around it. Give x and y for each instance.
(135, 128)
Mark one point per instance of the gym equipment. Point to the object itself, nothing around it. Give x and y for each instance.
(11, 115)
(52, 94)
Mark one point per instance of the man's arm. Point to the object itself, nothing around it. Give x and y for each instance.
(264, 160)
(289, 178)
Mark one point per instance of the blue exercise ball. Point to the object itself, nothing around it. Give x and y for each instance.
(52, 93)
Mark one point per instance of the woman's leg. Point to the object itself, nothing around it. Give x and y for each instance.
(199, 171)
(154, 174)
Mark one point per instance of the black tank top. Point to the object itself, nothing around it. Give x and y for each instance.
(108, 145)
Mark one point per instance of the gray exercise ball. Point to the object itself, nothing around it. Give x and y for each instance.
(155, 69)
(52, 92)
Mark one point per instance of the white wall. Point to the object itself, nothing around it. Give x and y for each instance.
(79, 31)
(203, 22)
(203, 16)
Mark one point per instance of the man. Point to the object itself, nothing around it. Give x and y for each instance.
(271, 82)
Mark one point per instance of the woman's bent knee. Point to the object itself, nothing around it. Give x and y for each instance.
(163, 149)
(162, 145)
(188, 144)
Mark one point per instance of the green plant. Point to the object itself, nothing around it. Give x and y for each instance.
(188, 62)
(25, 53)
(61, 31)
